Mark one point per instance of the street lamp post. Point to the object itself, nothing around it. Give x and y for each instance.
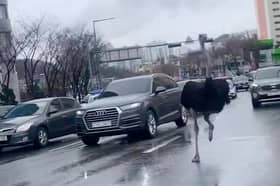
(96, 61)
(203, 38)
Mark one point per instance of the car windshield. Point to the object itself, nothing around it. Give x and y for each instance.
(268, 73)
(27, 109)
(129, 86)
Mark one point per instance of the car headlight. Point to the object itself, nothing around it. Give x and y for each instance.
(24, 127)
(80, 112)
(130, 106)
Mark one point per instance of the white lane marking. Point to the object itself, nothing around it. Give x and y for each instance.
(161, 145)
(65, 146)
(241, 138)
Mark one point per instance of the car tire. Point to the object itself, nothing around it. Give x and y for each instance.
(183, 120)
(90, 140)
(151, 125)
(256, 103)
(42, 138)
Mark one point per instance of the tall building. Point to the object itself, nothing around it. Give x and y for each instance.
(268, 18)
(5, 44)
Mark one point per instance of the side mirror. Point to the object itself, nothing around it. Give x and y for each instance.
(250, 79)
(52, 110)
(160, 89)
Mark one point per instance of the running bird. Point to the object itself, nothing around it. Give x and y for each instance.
(207, 98)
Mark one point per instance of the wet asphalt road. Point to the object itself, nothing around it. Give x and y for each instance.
(245, 151)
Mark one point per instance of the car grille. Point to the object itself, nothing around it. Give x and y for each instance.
(270, 87)
(93, 116)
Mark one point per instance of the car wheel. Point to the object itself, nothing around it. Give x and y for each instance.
(151, 125)
(42, 138)
(90, 140)
(256, 103)
(183, 120)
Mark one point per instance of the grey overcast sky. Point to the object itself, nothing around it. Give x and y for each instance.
(143, 21)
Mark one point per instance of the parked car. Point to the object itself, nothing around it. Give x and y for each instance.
(251, 76)
(91, 96)
(232, 89)
(266, 86)
(132, 105)
(38, 121)
(241, 82)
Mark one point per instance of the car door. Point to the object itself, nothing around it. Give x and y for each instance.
(172, 97)
(55, 121)
(159, 100)
(69, 111)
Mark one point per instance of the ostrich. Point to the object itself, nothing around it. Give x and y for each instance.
(207, 98)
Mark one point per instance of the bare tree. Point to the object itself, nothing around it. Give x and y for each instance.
(9, 53)
(74, 59)
(169, 69)
(51, 66)
(33, 54)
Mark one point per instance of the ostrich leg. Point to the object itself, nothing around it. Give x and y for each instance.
(211, 126)
(196, 158)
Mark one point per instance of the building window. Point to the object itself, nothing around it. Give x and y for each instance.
(276, 9)
(275, 2)
(277, 29)
(277, 22)
(276, 16)
(3, 12)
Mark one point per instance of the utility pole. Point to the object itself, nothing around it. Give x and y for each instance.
(95, 59)
(203, 38)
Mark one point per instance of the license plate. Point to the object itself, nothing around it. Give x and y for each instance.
(3, 138)
(101, 124)
(274, 93)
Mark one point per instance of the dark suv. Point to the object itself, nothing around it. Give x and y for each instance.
(129, 106)
(266, 85)
(38, 121)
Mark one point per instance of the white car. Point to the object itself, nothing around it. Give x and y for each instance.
(232, 89)
(89, 98)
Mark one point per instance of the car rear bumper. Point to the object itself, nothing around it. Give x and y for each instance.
(244, 86)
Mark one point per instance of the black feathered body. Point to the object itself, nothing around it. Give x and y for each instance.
(207, 97)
